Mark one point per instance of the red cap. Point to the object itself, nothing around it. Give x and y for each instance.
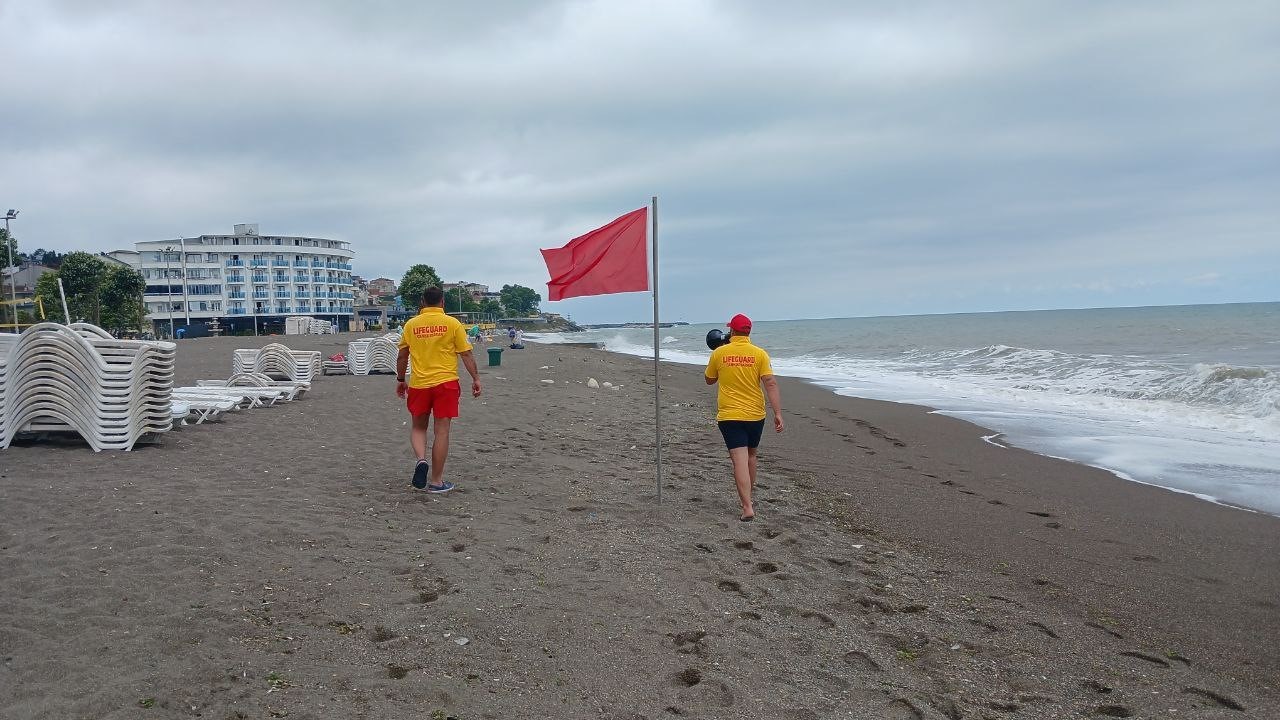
(740, 323)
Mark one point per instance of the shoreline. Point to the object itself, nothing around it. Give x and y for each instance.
(956, 415)
(277, 563)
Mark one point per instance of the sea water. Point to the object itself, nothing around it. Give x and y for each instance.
(1185, 397)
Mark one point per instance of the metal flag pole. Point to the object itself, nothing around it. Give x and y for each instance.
(657, 388)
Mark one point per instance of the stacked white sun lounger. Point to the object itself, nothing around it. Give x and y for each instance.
(277, 361)
(306, 325)
(58, 378)
(373, 355)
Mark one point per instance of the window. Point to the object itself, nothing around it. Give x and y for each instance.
(211, 257)
(215, 305)
(193, 257)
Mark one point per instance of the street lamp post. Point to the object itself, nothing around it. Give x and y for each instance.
(168, 290)
(13, 275)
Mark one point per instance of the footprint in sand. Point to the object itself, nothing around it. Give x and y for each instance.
(861, 661)
(1143, 656)
(1217, 697)
(902, 709)
(730, 586)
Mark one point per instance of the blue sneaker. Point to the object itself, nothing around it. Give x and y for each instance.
(420, 474)
(446, 487)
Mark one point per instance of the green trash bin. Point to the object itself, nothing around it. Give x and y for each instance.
(495, 357)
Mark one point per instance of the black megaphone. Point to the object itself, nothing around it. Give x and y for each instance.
(716, 337)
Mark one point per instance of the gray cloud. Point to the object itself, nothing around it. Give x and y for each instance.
(825, 159)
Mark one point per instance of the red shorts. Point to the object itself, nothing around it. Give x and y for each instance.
(439, 400)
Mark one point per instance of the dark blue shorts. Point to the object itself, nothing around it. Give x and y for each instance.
(741, 433)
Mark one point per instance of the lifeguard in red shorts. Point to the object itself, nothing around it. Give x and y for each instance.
(433, 342)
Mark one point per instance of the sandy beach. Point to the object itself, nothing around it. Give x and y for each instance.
(278, 564)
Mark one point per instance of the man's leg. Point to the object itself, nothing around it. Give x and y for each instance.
(439, 449)
(418, 441)
(418, 435)
(742, 477)
(751, 464)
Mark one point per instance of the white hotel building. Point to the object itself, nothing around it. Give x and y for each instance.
(247, 281)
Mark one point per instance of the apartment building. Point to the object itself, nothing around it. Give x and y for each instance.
(246, 280)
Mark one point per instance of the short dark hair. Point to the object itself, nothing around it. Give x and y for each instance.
(432, 296)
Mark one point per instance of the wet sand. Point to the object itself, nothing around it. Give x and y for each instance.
(277, 564)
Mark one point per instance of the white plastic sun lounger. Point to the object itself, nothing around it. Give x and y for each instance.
(255, 397)
(204, 409)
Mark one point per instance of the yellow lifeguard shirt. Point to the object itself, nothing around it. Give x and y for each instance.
(434, 341)
(738, 366)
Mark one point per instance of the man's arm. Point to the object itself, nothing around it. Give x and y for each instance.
(402, 368)
(775, 400)
(710, 380)
(469, 362)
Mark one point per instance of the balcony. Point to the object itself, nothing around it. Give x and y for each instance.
(316, 263)
(283, 309)
(302, 293)
(304, 308)
(279, 263)
(321, 294)
(235, 263)
(259, 279)
(301, 263)
(237, 279)
(261, 296)
(236, 295)
(345, 266)
(282, 294)
(301, 279)
(237, 311)
(333, 265)
(257, 262)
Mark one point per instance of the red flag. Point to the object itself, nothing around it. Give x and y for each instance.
(611, 259)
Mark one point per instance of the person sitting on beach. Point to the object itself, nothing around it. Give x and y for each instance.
(741, 368)
(433, 341)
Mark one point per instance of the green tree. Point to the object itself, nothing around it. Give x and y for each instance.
(48, 258)
(9, 244)
(82, 277)
(491, 306)
(459, 300)
(415, 280)
(519, 300)
(47, 291)
(121, 299)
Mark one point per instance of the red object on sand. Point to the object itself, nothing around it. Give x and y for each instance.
(610, 259)
(337, 358)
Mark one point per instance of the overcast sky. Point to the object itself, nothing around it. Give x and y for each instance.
(818, 159)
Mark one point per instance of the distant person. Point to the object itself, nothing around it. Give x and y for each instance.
(433, 341)
(511, 334)
(519, 340)
(742, 368)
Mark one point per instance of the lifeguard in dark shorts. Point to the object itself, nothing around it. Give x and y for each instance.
(741, 369)
(430, 345)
